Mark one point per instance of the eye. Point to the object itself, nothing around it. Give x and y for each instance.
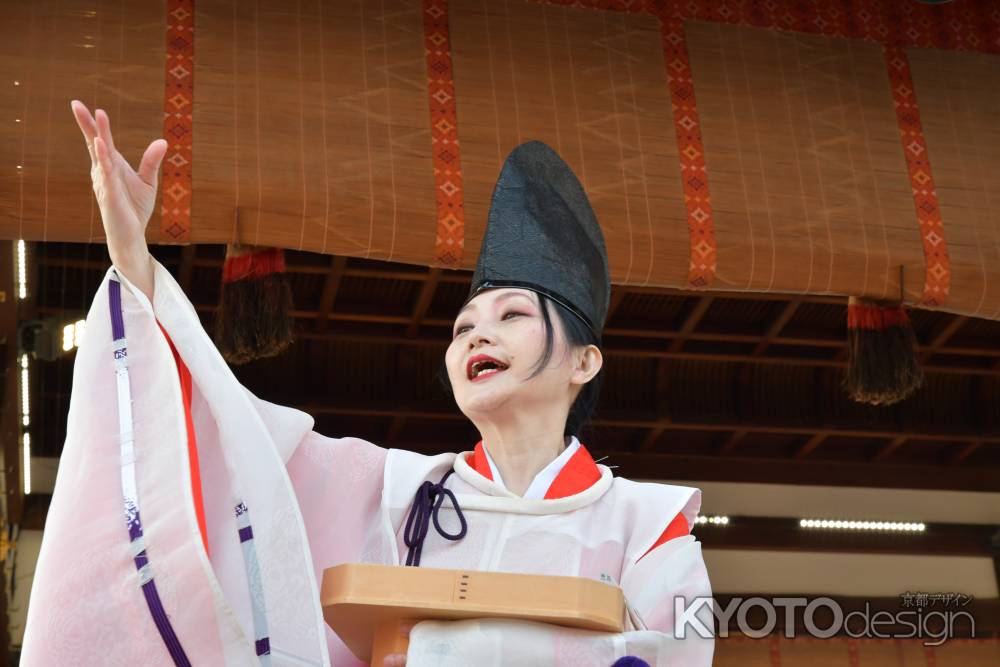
(513, 312)
(462, 329)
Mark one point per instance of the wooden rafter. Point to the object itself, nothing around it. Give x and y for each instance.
(943, 336)
(741, 348)
(731, 442)
(334, 274)
(691, 323)
(776, 327)
(424, 300)
(965, 452)
(769, 470)
(814, 441)
(891, 446)
(619, 420)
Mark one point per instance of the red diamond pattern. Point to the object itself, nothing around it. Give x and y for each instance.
(450, 238)
(178, 101)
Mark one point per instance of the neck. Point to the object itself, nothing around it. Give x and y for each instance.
(522, 447)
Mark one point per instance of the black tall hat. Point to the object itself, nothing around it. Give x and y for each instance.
(543, 235)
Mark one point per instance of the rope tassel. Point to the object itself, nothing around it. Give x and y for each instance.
(882, 363)
(254, 318)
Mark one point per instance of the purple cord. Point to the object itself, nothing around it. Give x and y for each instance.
(426, 504)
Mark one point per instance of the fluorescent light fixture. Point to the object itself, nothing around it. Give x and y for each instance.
(714, 520)
(73, 335)
(22, 270)
(25, 402)
(27, 463)
(846, 524)
(68, 337)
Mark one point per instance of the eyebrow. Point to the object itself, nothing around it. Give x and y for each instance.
(502, 297)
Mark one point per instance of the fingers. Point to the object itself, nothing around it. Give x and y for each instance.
(87, 125)
(104, 130)
(103, 158)
(149, 166)
(394, 660)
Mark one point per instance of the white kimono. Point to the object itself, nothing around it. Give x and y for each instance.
(282, 503)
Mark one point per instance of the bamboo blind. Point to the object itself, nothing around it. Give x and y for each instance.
(591, 85)
(808, 186)
(959, 99)
(771, 148)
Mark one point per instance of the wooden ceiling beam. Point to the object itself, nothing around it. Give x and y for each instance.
(650, 438)
(381, 337)
(691, 323)
(945, 334)
(967, 451)
(334, 274)
(787, 313)
(814, 441)
(731, 442)
(761, 470)
(891, 447)
(423, 303)
(784, 471)
(452, 277)
(434, 411)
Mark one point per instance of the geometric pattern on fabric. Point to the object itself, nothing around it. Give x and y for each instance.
(178, 125)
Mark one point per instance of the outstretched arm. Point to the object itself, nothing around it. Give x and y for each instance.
(126, 197)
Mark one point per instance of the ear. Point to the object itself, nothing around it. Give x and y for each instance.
(587, 363)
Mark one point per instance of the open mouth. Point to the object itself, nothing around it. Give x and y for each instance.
(482, 367)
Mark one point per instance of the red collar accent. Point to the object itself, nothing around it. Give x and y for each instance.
(579, 473)
(480, 463)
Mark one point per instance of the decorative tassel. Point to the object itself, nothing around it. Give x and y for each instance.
(882, 364)
(254, 317)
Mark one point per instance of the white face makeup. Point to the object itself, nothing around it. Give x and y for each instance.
(497, 342)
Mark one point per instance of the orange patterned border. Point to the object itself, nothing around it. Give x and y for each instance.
(178, 102)
(691, 152)
(449, 242)
(889, 23)
(937, 280)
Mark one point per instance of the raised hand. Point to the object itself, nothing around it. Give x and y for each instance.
(125, 196)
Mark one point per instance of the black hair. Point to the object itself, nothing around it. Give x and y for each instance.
(577, 334)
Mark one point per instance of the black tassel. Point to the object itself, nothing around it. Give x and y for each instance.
(254, 318)
(882, 363)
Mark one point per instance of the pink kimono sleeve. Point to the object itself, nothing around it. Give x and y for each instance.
(337, 484)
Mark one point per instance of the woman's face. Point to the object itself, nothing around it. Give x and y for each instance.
(497, 341)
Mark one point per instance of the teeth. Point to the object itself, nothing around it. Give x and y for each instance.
(481, 368)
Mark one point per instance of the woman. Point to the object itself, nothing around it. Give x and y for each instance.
(231, 577)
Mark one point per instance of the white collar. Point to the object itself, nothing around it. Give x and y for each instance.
(543, 480)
